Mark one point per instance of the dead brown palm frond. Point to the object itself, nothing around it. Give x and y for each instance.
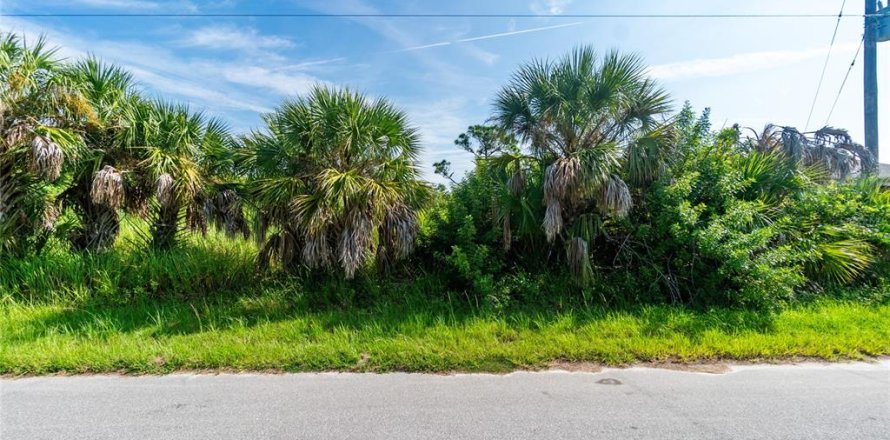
(563, 179)
(46, 158)
(354, 244)
(18, 133)
(561, 186)
(553, 219)
(795, 144)
(317, 251)
(164, 190)
(833, 135)
(196, 214)
(578, 256)
(770, 139)
(280, 247)
(50, 215)
(398, 233)
(614, 197)
(225, 209)
(108, 188)
(830, 147)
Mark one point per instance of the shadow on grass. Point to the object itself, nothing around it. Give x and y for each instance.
(391, 317)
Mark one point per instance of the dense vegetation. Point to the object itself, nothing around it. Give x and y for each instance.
(585, 188)
(596, 225)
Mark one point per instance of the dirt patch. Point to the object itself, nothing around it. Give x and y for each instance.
(693, 367)
(575, 367)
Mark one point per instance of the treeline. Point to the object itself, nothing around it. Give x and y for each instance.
(584, 176)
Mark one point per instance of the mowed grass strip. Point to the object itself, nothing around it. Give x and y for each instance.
(271, 333)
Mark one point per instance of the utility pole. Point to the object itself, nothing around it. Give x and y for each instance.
(870, 70)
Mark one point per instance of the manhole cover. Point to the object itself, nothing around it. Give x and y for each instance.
(609, 381)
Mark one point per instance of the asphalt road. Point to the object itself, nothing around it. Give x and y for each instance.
(835, 401)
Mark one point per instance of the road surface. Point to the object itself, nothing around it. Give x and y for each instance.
(830, 401)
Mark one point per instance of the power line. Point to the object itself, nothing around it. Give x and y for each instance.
(825, 66)
(387, 15)
(849, 69)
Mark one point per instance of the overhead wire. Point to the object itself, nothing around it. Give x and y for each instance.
(825, 66)
(388, 15)
(844, 82)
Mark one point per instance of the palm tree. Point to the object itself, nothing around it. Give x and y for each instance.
(38, 109)
(335, 174)
(587, 120)
(137, 149)
(175, 148)
(219, 201)
(830, 148)
(102, 182)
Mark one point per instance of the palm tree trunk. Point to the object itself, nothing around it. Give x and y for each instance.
(165, 227)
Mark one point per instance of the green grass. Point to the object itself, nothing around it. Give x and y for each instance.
(276, 331)
(203, 306)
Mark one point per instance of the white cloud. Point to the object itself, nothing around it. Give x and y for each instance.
(202, 82)
(388, 30)
(483, 55)
(551, 7)
(231, 37)
(741, 63)
(440, 122)
(262, 77)
(191, 89)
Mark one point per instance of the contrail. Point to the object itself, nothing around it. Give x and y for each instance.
(308, 64)
(425, 46)
(440, 44)
(485, 37)
(523, 31)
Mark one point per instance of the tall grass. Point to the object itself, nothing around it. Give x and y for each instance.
(201, 265)
(203, 305)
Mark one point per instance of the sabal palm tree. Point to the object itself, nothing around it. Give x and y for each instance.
(220, 202)
(335, 174)
(38, 108)
(172, 142)
(102, 181)
(588, 120)
(139, 148)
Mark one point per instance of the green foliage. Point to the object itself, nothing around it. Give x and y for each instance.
(335, 174)
(743, 227)
(585, 190)
(718, 224)
(38, 141)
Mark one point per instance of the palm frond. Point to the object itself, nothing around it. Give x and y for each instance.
(108, 188)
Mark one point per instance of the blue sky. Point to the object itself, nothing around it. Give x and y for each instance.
(444, 72)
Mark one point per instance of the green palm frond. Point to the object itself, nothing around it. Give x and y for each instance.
(335, 169)
(649, 156)
(584, 117)
(842, 261)
(40, 140)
